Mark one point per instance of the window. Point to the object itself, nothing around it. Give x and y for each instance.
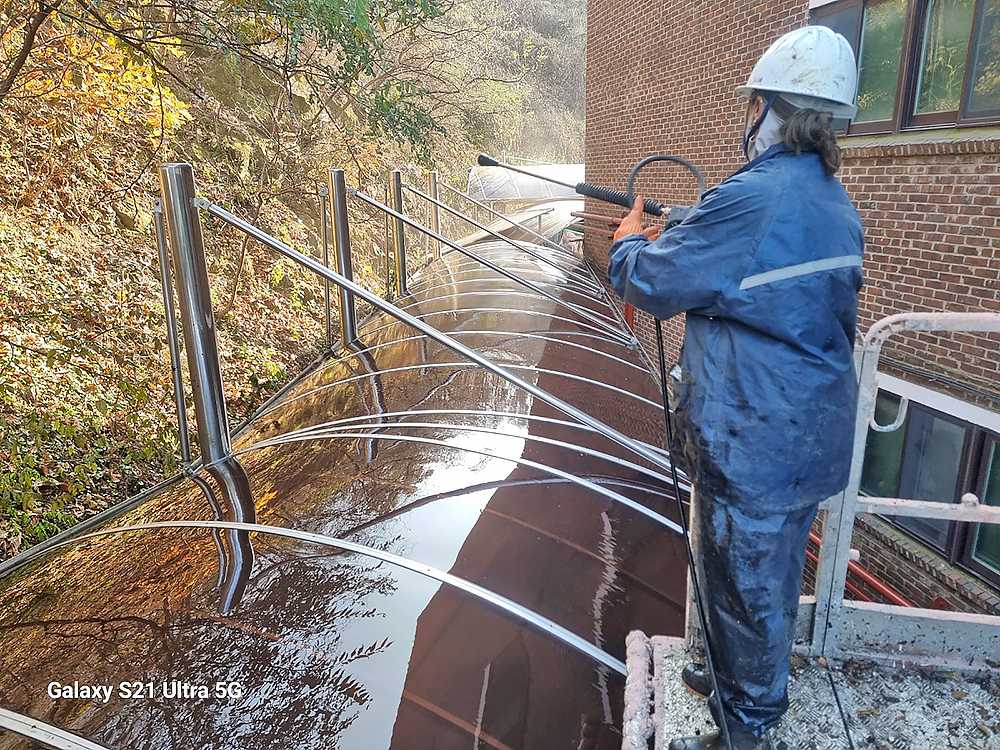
(878, 64)
(921, 63)
(939, 457)
(984, 546)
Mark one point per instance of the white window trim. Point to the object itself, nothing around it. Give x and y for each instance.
(819, 3)
(943, 402)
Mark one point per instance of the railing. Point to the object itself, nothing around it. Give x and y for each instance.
(184, 237)
(837, 628)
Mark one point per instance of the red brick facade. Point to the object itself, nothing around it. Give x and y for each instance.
(660, 79)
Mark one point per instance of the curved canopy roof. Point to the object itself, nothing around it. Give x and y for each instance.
(499, 184)
(473, 566)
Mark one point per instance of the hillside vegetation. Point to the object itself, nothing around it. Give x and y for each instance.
(262, 97)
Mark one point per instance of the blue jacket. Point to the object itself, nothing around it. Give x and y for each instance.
(768, 269)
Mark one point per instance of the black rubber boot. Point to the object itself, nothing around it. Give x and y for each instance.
(714, 741)
(696, 679)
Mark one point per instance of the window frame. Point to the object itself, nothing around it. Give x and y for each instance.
(989, 440)
(965, 468)
(992, 116)
(981, 434)
(904, 118)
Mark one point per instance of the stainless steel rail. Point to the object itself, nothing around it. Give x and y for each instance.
(508, 334)
(460, 365)
(628, 502)
(606, 430)
(398, 230)
(166, 286)
(554, 630)
(491, 265)
(433, 182)
(342, 244)
(497, 236)
(188, 250)
(324, 224)
(499, 215)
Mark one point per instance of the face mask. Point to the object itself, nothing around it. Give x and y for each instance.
(768, 135)
(754, 131)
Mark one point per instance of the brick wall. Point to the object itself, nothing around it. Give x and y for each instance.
(660, 78)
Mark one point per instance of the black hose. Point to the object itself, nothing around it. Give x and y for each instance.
(699, 599)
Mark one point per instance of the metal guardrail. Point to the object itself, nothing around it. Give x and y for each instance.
(838, 628)
(187, 247)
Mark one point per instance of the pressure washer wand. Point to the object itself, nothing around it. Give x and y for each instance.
(598, 192)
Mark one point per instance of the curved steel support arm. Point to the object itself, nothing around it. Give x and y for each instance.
(654, 457)
(583, 313)
(553, 629)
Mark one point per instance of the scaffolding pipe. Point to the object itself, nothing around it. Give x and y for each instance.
(342, 246)
(168, 308)
(398, 230)
(188, 249)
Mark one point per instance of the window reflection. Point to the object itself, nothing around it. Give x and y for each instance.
(942, 61)
(985, 94)
(986, 549)
(881, 46)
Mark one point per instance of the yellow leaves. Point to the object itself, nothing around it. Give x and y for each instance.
(166, 114)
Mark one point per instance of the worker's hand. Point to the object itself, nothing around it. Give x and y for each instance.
(632, 224)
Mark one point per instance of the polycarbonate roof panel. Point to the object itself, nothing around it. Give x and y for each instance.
(499, 184)
(559, 541)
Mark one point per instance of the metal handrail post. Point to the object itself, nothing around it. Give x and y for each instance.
(434, 191)
(160, 233)
(188, 250)
(324, 194)
(398, 230)
(342, 245)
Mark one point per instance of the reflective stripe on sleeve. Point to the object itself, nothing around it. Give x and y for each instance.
(801, 269)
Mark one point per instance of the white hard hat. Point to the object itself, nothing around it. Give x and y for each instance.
(812, 67)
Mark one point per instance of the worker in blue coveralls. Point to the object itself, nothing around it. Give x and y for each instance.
(767, 267)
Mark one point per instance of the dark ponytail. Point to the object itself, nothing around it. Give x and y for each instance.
(809, 130)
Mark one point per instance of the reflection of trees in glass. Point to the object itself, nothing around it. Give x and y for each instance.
(986, 64)
(308, 620)
(942, 63)
(881, 45)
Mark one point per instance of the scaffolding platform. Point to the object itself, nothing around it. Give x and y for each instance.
(854, 705)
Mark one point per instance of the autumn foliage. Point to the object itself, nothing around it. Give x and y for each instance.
(263, 98)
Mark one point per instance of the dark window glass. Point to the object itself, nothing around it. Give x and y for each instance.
(881, 49)
(984, 96)
(945, 49)
(986, 548)
(931, 467)
(843, 20)
(884, 451)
